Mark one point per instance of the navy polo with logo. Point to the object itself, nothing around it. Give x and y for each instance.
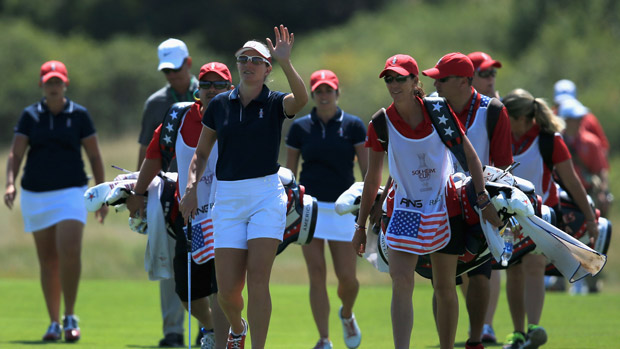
(328, 151)
(54, 159)
(248, 138)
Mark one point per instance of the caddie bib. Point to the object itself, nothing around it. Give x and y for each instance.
(205, 191)
(531, 168)
(420, 169)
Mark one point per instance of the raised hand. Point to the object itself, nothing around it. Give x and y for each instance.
(283, 44)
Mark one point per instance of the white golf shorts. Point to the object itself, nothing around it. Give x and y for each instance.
(248, 209)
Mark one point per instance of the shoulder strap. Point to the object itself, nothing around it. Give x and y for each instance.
(545, 146)
(379, 123)
(447, 127)
(493, 110)
(170, 130)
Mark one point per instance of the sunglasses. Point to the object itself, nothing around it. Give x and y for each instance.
(442, 80)
(256, 60)
(168, 70)
(487, 73)
(398, 78)
(218, 85)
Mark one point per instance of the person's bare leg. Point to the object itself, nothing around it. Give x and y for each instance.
(220, 322)
(444, 284)
(515, 292)
(494, 289)
(477, 300)
(69, 245)
(261, 254)
(402, 268)
(314, 254)
(49, 269)
(230, 270)
(345, 262)
(534, 276)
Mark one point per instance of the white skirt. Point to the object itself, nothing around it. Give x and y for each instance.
(332, 226)
(41, 210)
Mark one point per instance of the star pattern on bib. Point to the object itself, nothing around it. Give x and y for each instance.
(167, 139)
(173, 114)
(448, 131)
(437, 106)
(443, 120)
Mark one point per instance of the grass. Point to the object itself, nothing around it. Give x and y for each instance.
(124, 314)
(119, 308)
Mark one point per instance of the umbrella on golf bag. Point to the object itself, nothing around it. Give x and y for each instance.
(575, 225)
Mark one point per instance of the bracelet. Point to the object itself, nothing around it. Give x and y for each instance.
(484, 205)
(484, 192)
(136, 194)
(357, 226)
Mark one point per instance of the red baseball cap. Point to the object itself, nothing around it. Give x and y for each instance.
(483, 61)
(220, 68)
(452, 64)
(323, 76)
(402, 64)
(53, 69)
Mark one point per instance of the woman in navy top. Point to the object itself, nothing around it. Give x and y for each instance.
(53, 184)
(329, 139)
(249, 213)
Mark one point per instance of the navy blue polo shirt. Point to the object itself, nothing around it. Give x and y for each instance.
(328, 151)
(248, 139)
(54, 159)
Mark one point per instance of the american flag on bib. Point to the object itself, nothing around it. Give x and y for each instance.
(202, 241)
(417, 232)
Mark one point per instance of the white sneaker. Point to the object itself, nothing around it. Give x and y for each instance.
(323, 343)
(352, 333)
(208, 340)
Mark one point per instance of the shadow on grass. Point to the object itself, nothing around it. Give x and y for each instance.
(37, 342)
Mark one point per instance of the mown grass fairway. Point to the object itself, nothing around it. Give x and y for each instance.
(124, 314)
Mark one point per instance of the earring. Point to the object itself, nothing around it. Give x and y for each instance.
(197, 95)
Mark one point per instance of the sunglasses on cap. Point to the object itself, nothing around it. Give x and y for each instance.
(256, 60)
(487, 73)
(218, 85)
(169, 70)
(398, 78)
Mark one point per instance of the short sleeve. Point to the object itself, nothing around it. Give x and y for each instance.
(500, 147)
(293, 139)
(358, 134)
(24, 124)
(87, 127)
(208, 119)
(560, 150)
(372, 141)
(153, 151)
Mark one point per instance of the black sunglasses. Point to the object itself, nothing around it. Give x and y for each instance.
(168, 70)
(442, 80)
(487, 73)
(218, 85)
(398, 78)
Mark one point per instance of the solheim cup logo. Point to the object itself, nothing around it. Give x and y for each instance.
(423, 172)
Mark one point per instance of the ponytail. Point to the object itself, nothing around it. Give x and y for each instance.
(520, 103)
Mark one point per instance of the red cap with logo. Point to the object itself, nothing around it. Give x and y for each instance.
(53, 69)
(321, 77)
(452, 64)
(219, 68)
(483, 61)
(401, 64)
